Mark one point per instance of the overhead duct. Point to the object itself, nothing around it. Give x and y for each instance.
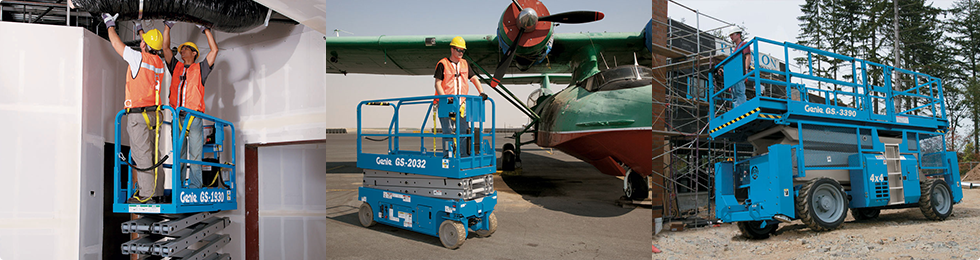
(222, 15)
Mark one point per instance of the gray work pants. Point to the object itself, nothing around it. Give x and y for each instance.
(142, 140)
(191, 150)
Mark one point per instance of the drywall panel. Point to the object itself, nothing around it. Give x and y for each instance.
(41, 103)
(292, 203)
(268, 81)
(103, 92)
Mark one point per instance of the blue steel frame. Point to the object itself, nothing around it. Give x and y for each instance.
(186, 200)
(769, 176)
(426, 162)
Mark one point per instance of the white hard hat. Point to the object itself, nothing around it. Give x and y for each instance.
(734, 29)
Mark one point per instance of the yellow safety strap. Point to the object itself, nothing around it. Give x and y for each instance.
(434, 115)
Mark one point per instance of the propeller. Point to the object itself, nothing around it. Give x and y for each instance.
(528, 19)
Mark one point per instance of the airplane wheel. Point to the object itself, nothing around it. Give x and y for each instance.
(936, 201)
(493, 226)
(865, 213)
(822, 204)
(365, 215)
(452, 234)
(751, 229)
(636, 187)
(508, 159)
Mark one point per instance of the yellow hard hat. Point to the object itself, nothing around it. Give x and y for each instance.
(154, 39)
(458, 42)
(193, 46)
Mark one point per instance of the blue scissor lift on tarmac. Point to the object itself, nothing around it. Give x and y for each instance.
(824, 145)
(438, 193)
(185, 217)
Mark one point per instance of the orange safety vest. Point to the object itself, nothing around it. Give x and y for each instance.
(144, 89)
(454, 80)
(189, 91)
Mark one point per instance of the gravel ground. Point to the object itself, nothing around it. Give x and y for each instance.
(895, 234)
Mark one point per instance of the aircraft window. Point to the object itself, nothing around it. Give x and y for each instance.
(621, 77)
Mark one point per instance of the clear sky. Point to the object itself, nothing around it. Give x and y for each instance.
(445, 17)
(771, 19)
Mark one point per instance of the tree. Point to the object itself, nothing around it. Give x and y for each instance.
(964, 41)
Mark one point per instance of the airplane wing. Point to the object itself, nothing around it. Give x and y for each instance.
(536, 79)
(418, 55)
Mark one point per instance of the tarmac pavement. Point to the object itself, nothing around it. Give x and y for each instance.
(560, 207)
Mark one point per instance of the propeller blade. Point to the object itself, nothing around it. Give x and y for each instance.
(519, 8)
(502, 67)
(573, 17)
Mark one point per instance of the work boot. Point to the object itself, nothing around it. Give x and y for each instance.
(134, 200)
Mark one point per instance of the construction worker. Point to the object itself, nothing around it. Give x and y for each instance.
(187, 90)
(143, 80)
(451, 75)
(739, 89)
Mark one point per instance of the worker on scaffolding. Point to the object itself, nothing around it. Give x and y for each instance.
(187, 90)
(143, 80)
(451, 75)
(738, 90)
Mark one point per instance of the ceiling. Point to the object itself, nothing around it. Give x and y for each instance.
(312, 13)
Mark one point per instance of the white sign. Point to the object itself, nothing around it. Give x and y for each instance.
(765, 60)
(134, 208)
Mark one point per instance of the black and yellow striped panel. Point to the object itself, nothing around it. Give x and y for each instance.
(734, 120)
(377, 104)
(941, 131)
(770, 116)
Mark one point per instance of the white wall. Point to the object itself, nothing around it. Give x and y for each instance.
(54, 89)
(292, 202)
(60, 88)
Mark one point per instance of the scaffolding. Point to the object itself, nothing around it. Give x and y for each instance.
(689, 155)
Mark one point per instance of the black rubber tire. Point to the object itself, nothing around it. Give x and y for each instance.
(865, 213)
(452, 234)
(936, 201)
(508, 159)
(808, 210)
(365, 215)
(636, 186)
(493, 226)
(751, 230)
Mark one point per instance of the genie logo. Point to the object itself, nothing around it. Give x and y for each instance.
(188, 197)
(381, 161)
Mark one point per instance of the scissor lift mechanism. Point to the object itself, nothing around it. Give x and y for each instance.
(172, 229)
(438, 193)
(821, 151)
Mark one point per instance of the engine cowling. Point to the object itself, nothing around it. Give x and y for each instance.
(537, 40)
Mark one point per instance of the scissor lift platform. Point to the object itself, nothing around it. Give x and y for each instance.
(171, 228)
(438, 193)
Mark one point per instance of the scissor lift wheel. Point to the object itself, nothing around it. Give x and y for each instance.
(492, 221)
(365, 215)
(865, 213)
(822, 204)
(452, 233)
(752, 229)
(937, 201)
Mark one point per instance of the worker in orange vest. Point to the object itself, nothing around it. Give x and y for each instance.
(143, 80)
(451, 76)
(187, 90)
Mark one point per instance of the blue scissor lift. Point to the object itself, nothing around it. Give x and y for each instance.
(172, 227)
(824, 145)
(438, 193)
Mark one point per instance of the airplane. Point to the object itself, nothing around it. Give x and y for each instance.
(603, 117)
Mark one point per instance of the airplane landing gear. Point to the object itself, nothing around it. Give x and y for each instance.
(508, 158)
(635, 185)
